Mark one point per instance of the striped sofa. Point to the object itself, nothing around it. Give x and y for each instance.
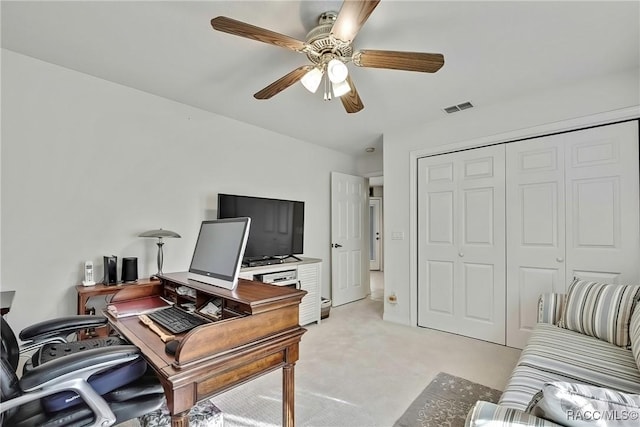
(557, 354)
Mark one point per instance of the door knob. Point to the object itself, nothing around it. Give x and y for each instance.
(336, 245)
(460, 254)
(560, 259)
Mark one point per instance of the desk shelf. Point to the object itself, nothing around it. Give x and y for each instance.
(230, 309)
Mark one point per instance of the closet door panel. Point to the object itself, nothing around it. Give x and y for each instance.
(479, 293)
(535, 230)
(602, 203)
(441, 279)
(461, 250)
(436, 242)
(480, 298)
(532, 282)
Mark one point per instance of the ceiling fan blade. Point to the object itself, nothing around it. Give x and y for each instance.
(283, 82)
(238, 28)
(409, 61)
(351, 100)
(352, 16)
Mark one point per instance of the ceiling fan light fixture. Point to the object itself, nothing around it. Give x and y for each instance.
(341, 88)
(337, 71)
(311, 80)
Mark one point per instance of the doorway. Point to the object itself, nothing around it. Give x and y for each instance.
(375, 235)
(376, 238)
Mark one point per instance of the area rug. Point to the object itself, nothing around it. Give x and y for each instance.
(445, 402)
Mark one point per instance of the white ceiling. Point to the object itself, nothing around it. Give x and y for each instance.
(493, 51)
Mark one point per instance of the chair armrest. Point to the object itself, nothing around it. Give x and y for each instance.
(485, 414)
(77, 365)
(61, 326)
(550, 307)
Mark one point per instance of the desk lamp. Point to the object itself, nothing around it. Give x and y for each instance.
(160, 233)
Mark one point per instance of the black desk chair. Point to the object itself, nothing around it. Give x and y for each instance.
(49, 339)
(92, 387)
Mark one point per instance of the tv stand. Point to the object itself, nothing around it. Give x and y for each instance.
(307, 272)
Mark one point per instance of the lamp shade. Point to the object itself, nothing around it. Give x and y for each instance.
(341, 88)
(311, 80)
(159, 233)
(337, 71)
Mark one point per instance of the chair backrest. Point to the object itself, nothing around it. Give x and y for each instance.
(9, 387)
(10, 347)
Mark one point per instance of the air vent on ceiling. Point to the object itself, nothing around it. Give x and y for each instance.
(459, 107)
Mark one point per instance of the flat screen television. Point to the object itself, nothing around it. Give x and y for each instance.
(277, 226)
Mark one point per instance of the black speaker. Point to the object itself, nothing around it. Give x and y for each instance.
(110, 270)
(129, 269)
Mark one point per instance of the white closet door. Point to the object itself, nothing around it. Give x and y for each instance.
(573, 210)
(602, 203)
(461, 246)
(535, 230)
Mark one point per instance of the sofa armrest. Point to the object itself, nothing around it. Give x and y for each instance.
(550, 307)
(485, 414)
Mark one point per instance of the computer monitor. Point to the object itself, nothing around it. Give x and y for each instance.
(219, 250)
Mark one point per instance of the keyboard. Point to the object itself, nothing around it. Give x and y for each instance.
(176, 320)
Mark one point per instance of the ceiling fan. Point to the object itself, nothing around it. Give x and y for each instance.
(328, 47)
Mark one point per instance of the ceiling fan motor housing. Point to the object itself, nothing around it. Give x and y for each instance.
(323, 46)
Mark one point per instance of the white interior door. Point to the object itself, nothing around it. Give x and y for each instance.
(461, 243)
(535, 230)
(603, 237)
(349, 238)
(375, 233)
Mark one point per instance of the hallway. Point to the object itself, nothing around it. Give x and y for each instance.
(376, 283)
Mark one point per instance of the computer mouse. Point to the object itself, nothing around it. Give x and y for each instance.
(171, 347)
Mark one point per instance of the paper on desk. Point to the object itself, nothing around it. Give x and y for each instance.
(137, 306)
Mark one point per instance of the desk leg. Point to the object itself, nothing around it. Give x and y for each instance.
(180, 420)
(288, 395)
(82, 302)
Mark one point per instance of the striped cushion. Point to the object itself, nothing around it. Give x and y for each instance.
(634, 333)
(582, 405)
(600, 310)
(550, 308)
(556, 354)
(485, 414)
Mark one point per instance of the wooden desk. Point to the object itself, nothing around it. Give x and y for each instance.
(258, 333)
(86, 292)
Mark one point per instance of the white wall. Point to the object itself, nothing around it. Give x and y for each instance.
(88, 164)
(482, 124)
(370, 164)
